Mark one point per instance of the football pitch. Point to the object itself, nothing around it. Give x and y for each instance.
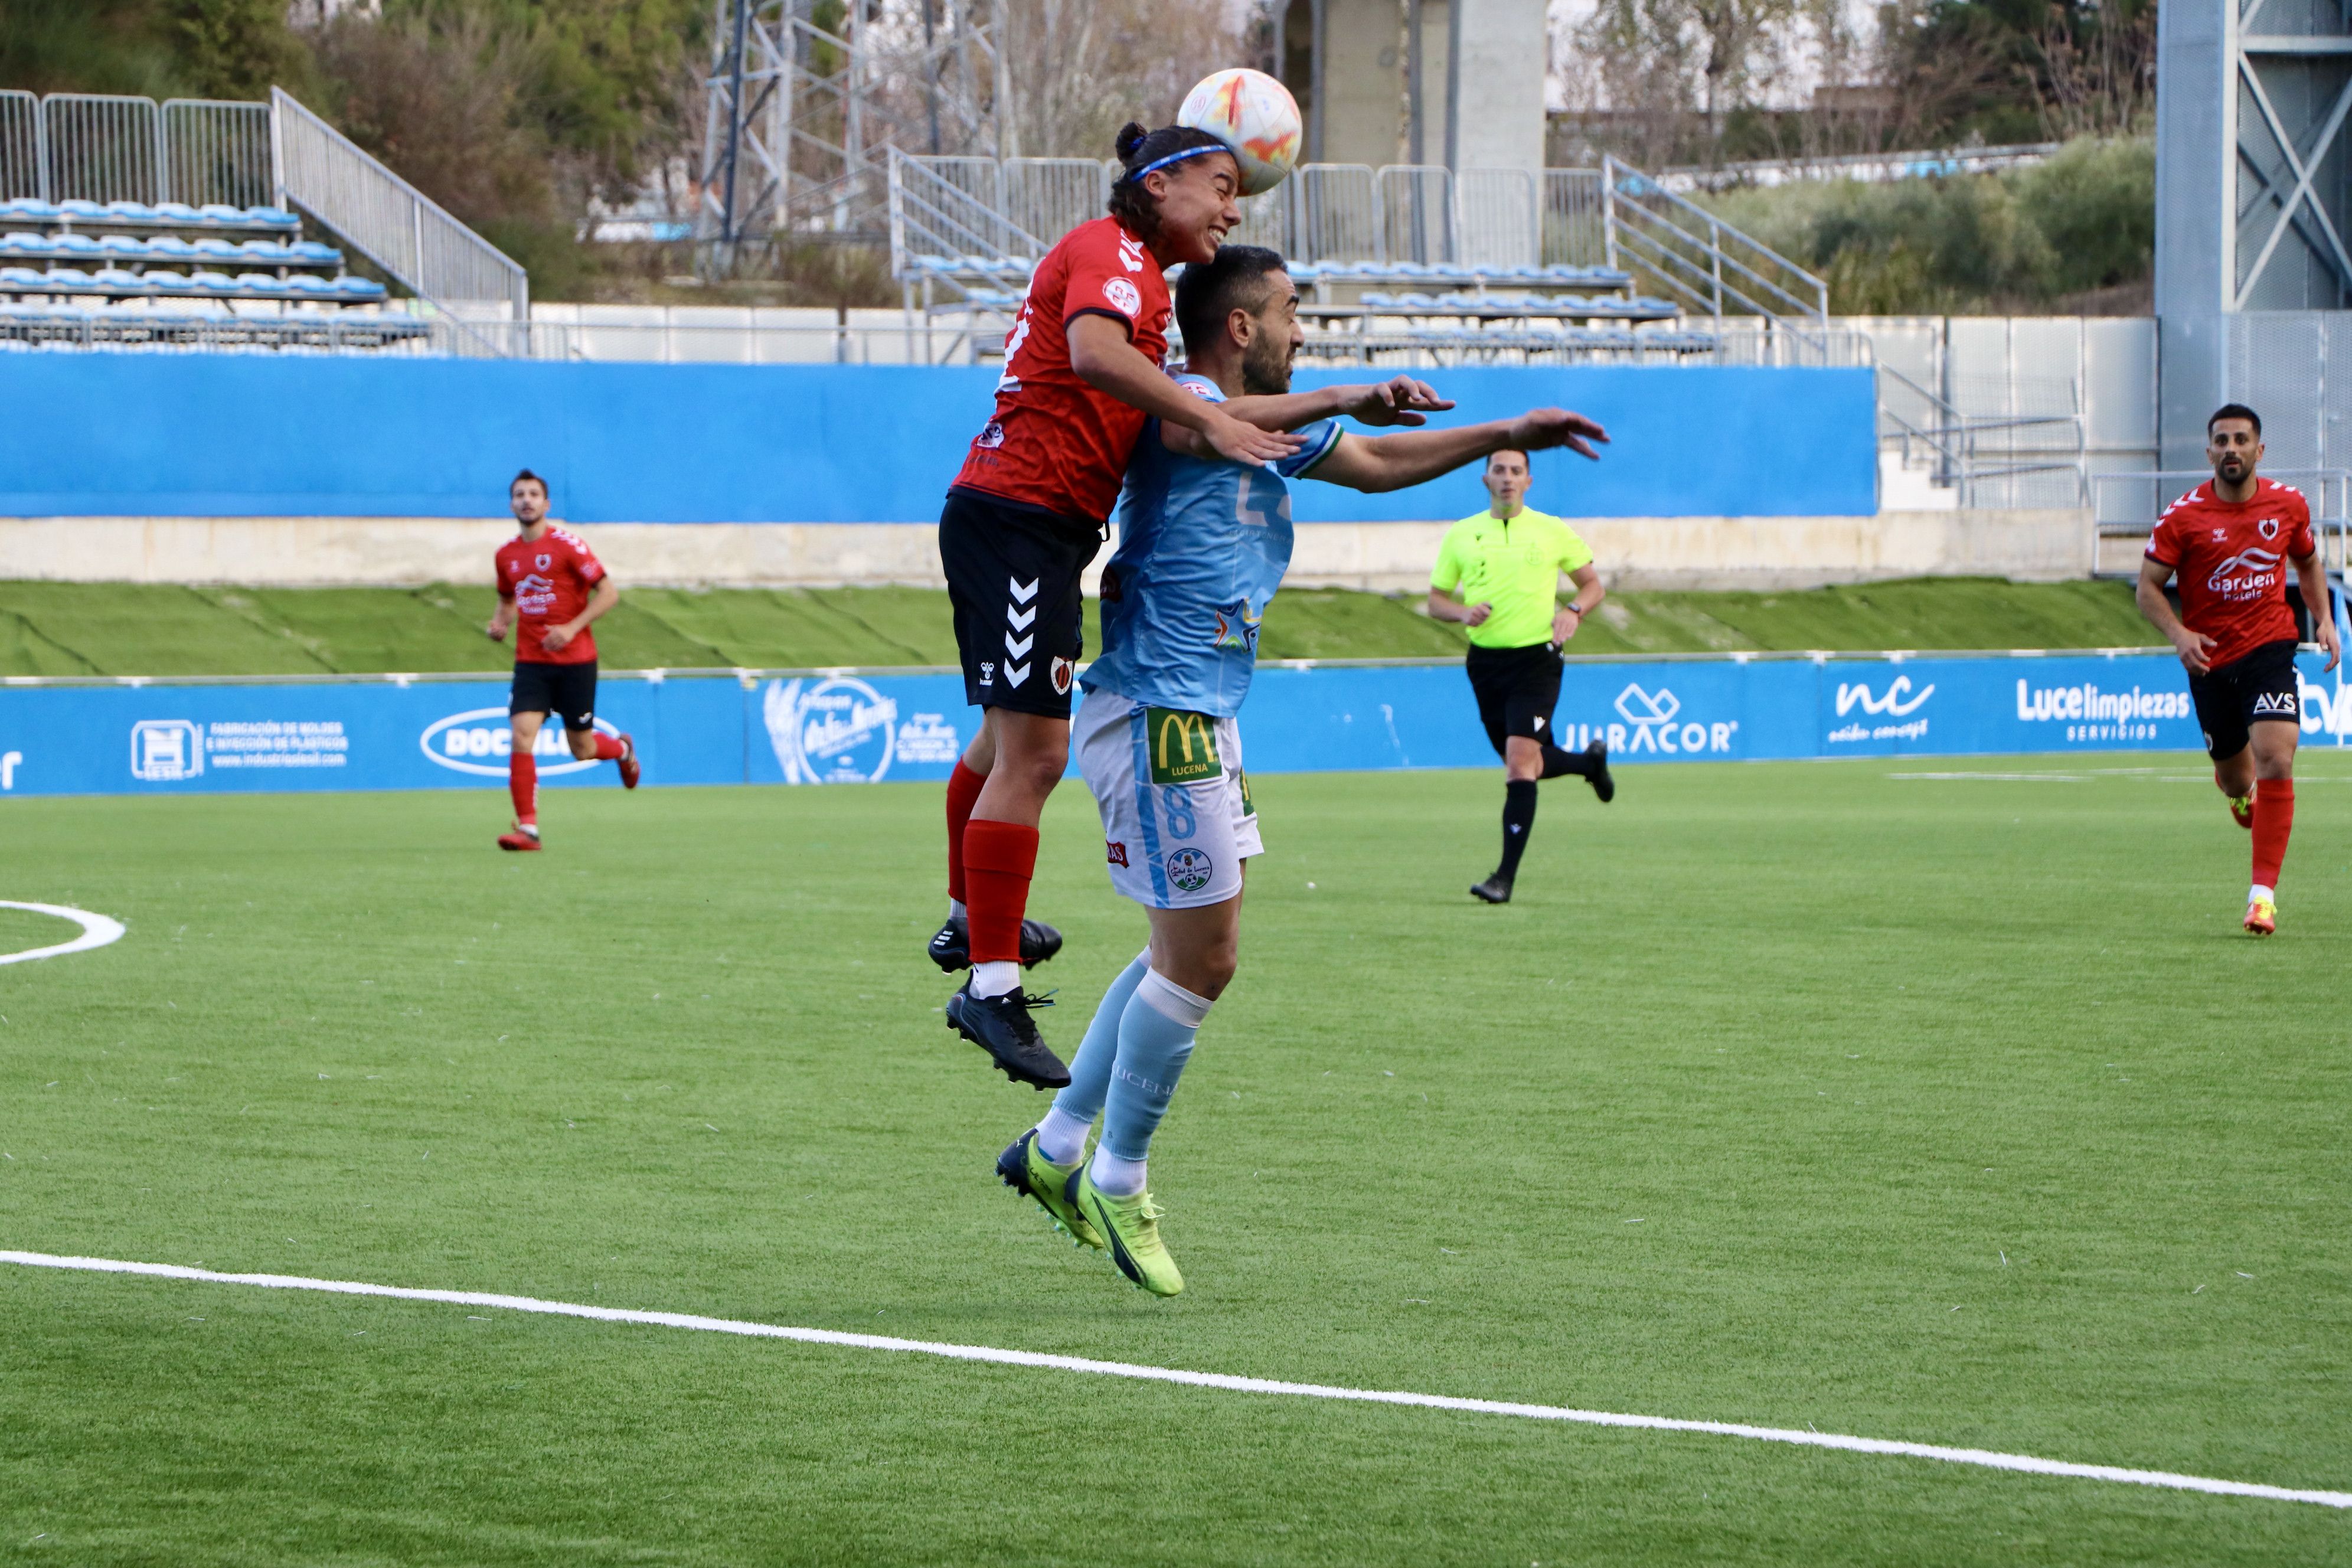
(1938, 1101)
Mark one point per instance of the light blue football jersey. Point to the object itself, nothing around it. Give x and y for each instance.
(1202, 544)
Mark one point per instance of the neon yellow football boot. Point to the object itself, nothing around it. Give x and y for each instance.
(2261, 916)
(1132, 1227)
(1024, 1168)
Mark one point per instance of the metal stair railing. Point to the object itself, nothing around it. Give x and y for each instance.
(1953, 443)
(1700, 260)
(24, 155)
(2147, 492)
(453, 270)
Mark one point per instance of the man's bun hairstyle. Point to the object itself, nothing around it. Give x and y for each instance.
(1208, 291)
(1139, 152)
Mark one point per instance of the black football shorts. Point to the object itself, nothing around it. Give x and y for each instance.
(566, 688)
(2253, 690)
(1517, 689)
(1012, 578)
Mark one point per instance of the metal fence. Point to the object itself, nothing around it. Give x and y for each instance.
(22, 170)
(1574, 232)
(215, 151)
(1498, 220)
(394, 224)
(1416, 214)
(1682, 252)
(1048, 197)
(102, 147)
(2129, 503)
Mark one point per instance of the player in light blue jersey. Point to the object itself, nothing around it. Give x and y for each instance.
(1204, 542)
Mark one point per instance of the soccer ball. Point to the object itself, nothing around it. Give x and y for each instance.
(1256, 116)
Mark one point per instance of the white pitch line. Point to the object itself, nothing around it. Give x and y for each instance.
(1984, 1459)
(97, 931)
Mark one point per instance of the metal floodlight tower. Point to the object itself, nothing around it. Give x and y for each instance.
(2253, 210)
(805, 97)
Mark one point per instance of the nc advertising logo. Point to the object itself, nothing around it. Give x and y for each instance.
(1899, 702)
(480, 740)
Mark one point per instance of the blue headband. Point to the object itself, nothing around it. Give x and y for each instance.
(1172, 158)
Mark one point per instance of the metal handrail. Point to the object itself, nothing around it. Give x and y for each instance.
(1611, 171)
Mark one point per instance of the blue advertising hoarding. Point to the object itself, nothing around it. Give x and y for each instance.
(847, 727)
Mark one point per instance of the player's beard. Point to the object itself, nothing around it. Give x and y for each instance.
(1266, 366)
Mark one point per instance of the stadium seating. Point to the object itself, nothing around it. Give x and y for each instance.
(174, 274)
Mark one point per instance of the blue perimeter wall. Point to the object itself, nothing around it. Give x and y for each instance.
(162, 738)
(133, 435)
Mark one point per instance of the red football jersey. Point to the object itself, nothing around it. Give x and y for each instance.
(2232, 560)
(1055, 441)
(549, 579)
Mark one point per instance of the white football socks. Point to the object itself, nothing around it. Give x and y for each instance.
(955, 909)
(1062, 1137)
(2259, 891)
(995, 978)
(1120, 1178)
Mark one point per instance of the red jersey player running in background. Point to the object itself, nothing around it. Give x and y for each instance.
(2230, 540)
(550, 587)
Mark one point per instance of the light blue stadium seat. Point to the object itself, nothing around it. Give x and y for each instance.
(170, 248)
(115, 280)
(17, 240)
(171, 283)
(218, 251)
(177, 212)
(74, 245)
(31, 208)
(212, 282)
(81, 209)
(265, 284)
(131, 212)
(123, 245)
(22, 279)
(314, 253)
(312, 283)
(69, 280)
(273, 217)
(360, 287)
(217, 214)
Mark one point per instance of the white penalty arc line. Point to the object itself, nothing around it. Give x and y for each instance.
(1981, 1457)
(97, 931)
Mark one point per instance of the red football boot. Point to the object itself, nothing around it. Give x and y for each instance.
(520, 838)
(630, 770)
(2241, 810)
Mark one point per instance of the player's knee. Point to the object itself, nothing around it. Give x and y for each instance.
(583, 744)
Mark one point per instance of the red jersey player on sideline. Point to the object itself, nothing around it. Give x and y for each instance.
(2231, 540)
(550, 587)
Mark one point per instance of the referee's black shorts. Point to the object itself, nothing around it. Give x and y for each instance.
(1517, 687)
(566, 688)
(1012, 578)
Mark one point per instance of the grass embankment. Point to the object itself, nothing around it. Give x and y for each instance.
(113, 628)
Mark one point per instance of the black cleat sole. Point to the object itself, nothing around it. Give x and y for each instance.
(950, 946)
(1493, 890)
(1603, 783)
(1038, 1077)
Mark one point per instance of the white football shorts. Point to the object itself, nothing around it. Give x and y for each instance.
(1177, 819)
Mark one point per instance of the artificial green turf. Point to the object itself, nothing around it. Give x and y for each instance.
(1947, 1110)
(107, 628)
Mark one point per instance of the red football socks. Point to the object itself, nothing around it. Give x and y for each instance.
(964, 793)
(522, 782)
(998, 859)
(2273, 822)
(608, 749)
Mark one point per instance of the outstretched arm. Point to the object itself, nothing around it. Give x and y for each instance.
(1400, 400)
(1106, 360)
(1375, 463)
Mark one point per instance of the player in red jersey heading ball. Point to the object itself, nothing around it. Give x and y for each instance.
(2230, 540)
(551, 588)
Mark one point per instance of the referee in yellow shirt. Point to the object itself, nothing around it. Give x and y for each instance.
(1498, 574)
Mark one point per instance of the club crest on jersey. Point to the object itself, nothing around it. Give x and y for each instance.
(992, 435)
(2268, 527)
(1124, 297)
(1061, 676)
(542, 562)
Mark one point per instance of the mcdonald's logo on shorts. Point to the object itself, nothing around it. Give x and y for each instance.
(1184, 746)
